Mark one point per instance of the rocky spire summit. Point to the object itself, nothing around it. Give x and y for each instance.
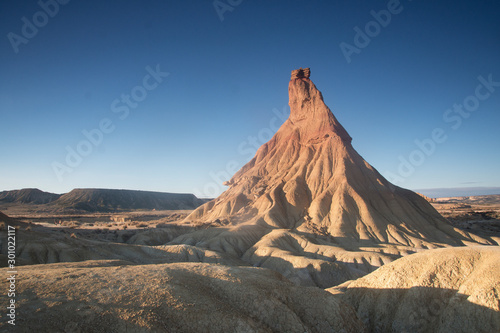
(309, 115)
(301, 73)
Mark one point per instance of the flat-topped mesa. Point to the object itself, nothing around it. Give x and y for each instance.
(301, 73)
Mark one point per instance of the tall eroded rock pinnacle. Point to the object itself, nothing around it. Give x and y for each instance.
(309, 178)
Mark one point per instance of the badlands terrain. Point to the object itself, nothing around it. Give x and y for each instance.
(308, 237)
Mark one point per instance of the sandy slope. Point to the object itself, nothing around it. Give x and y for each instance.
(443, 290)
(116, 297)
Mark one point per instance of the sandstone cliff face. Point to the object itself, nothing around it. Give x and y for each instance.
(309, 178)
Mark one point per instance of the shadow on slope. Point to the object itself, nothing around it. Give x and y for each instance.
(173, 298)
(441, 290)
(422, 309)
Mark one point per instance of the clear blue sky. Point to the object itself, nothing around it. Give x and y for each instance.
(225, 79)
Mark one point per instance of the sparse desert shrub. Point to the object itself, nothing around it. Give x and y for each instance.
(124, 227)
(90, 224)
(142, 225)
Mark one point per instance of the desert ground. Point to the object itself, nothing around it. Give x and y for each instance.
(477, 214)
(106, 254)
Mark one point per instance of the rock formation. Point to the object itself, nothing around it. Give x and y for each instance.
(310, 207)
(309, 178)
(301, 73)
